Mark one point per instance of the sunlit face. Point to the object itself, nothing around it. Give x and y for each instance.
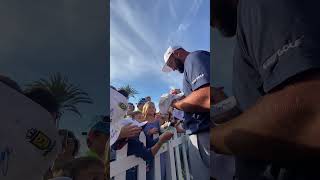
(139, 117)
(92, 173)
(158, 116)
(151, 110)
(130, 107)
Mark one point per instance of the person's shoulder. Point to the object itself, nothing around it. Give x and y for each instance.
(199, 53)
(197, 56)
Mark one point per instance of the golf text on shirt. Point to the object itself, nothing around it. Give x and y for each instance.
(273, 59)
(197, 78)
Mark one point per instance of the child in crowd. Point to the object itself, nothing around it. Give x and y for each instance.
(83, 168)
(135, 146)
(151, 129)
(137, 115)
(70, 146)
(98, 142)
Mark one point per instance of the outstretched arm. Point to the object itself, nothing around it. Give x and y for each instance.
(197, 101)
(284, 124)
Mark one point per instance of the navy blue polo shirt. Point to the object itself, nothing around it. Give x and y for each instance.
(196, 75)
(276, 40)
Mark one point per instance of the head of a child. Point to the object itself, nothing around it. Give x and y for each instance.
(98, 137)
(84, 168)
(148, 98)
(137, 115)
(158, 116)
(130, 107)
(149, 110)
(70, 143)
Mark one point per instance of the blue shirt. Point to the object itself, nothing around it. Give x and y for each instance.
(276, 40)
(196, 75)
(149, 138)
(135, 147)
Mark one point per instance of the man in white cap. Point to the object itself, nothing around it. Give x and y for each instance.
(195, 67)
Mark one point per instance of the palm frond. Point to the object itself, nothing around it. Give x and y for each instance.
(67, 95)
(130, 90)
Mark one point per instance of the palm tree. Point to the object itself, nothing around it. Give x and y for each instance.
(67, 95)
(129, 90)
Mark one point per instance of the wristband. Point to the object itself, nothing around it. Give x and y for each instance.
(223, 106)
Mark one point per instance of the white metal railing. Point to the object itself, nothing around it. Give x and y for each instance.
(173, 166)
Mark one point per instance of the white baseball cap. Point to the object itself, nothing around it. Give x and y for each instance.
(166, 57)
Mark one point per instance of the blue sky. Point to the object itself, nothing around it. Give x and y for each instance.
(140, 33)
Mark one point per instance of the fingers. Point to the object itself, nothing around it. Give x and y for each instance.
(131, 130)
(134, 133)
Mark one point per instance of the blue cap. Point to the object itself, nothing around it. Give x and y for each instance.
(101, 126)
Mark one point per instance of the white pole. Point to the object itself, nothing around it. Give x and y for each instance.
(142, 166)
(177, 155)
(185, 159)
(121, 154)
(171, 162)
(157, 163)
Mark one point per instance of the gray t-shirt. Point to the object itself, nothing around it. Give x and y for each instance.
(276, 40)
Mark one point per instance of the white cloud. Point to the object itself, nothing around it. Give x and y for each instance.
(183, 27)
(172, 9)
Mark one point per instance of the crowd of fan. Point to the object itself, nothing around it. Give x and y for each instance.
(156, 123)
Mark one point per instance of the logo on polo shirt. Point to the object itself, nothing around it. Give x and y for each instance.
(197, 78)
(40, 140)
(273, 59)
(123, 106)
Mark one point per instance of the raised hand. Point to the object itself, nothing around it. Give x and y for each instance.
(129, 131)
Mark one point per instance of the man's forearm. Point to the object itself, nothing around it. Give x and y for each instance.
(197, 101)
(282, 125)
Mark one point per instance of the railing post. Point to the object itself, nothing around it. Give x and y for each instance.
(120, 154)
(142, 173)
(185, 158)
(177, 155)
(171, 166)
(157, 163)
